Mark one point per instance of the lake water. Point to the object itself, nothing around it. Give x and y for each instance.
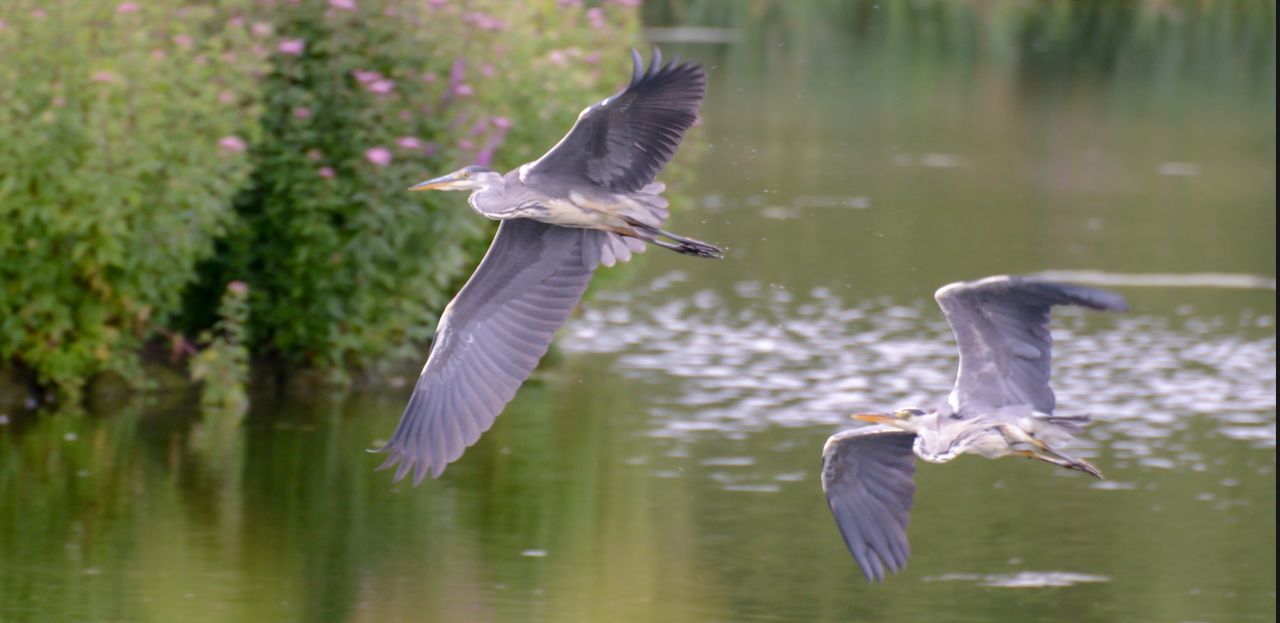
(663, 463)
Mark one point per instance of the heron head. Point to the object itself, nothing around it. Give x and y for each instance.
(906, 419)
(472, 177)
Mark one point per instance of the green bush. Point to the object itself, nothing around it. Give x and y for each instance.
(367, 97)
(222, 365)
(123, 126)
(148, 144)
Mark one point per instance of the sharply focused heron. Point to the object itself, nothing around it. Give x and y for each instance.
(1001, 405)
(591, 200)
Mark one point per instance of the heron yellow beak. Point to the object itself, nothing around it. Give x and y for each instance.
(874, 418)
(438, 183)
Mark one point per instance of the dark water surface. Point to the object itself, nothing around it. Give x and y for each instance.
(663, 464)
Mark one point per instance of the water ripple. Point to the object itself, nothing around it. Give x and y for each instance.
(768, 357)
(1163, 280)
(1024, 579)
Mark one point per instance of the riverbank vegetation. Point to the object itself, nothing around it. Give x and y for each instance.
(166, 159)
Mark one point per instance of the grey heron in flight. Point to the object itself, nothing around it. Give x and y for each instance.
(591, 200)
(1001, 405)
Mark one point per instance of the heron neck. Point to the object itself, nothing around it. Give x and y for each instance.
(932, 443)
(923, 449)
(488, 200)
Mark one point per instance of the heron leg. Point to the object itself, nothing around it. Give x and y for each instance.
(1061, 460)
(680, 244)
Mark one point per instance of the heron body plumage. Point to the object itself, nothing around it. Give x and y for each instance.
(1003, 432)
(591, 200)
(509, 198)
(1001, 405)
(600, 176)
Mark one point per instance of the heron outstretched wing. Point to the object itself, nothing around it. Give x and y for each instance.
(867, 476)
(488, 341)
(1002, 330)
(620, 143)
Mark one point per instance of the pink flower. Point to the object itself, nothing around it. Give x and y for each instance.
(558, 57)
(260, 29)
(466, 143)
(2, 24)
(302, 112)
(595, 15)
(382, 87)
(411, 143)
(568, 4)
(127, 7)
(488, 70)
(430, 77)
(365, 77)
(314, 155)
(380, 156)
(343, 5)
(235, 22)
(182, 41)
(232, 143)
(463, 90)
(226, 97)
(628, 2)
(591, 58)
(159, 54)
(502, 123)
(457, 73)
(39, 14)
(485, 155)
(326, 172)
(103, 76)
(291, 47)
(484, 21)
(238, 287)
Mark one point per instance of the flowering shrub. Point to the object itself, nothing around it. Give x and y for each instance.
(124, 129)
(155, 151)
(366, 98)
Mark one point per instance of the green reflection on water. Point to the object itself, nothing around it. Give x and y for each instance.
(130, 520)
(871, 152)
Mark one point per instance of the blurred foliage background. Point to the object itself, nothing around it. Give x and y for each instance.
(157, 151)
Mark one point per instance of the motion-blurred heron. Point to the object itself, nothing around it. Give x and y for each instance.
(1001, 405)
(591, 200)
